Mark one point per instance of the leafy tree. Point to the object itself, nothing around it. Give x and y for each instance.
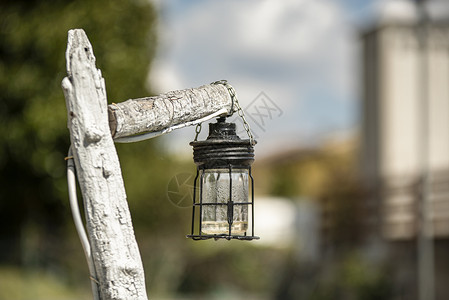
(33, 136)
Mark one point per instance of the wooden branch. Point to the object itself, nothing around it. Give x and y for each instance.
(151, 114)
(116, 255)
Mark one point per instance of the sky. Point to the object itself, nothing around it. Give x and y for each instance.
(295, 64)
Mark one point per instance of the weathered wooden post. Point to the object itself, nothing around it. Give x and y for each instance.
(116, 259)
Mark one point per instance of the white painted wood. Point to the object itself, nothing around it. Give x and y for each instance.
(157, 113)
(116, 255)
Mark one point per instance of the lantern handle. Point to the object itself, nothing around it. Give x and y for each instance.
(239, 110)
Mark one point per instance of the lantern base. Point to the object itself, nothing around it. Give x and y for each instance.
(222, 236)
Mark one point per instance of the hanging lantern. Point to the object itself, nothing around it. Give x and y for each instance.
(223, 194)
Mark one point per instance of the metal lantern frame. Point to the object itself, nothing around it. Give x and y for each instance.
(222, 150)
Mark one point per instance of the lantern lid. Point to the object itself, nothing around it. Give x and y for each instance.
(223, 148)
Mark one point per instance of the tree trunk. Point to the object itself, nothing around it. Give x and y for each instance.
(115, 252)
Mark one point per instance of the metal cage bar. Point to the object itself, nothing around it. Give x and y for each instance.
(194, 197)
(230, 212)
(201, 203)
(252, 201)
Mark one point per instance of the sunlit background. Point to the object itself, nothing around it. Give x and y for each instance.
(349, 103)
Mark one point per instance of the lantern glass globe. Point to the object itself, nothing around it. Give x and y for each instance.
(219, 188)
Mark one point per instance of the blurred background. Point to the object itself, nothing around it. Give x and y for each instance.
(349, 102)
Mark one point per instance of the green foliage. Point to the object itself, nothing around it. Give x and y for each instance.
(147, 172)
(283, 183)
(354, 278)
(223, 267)
(33, 135)
(20, 285)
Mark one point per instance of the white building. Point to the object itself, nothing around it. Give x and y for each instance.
(287, 223)
(405, 130)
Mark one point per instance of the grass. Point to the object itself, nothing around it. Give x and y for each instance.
(20, 284)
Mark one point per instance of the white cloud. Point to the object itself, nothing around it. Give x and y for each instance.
(296, 51)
